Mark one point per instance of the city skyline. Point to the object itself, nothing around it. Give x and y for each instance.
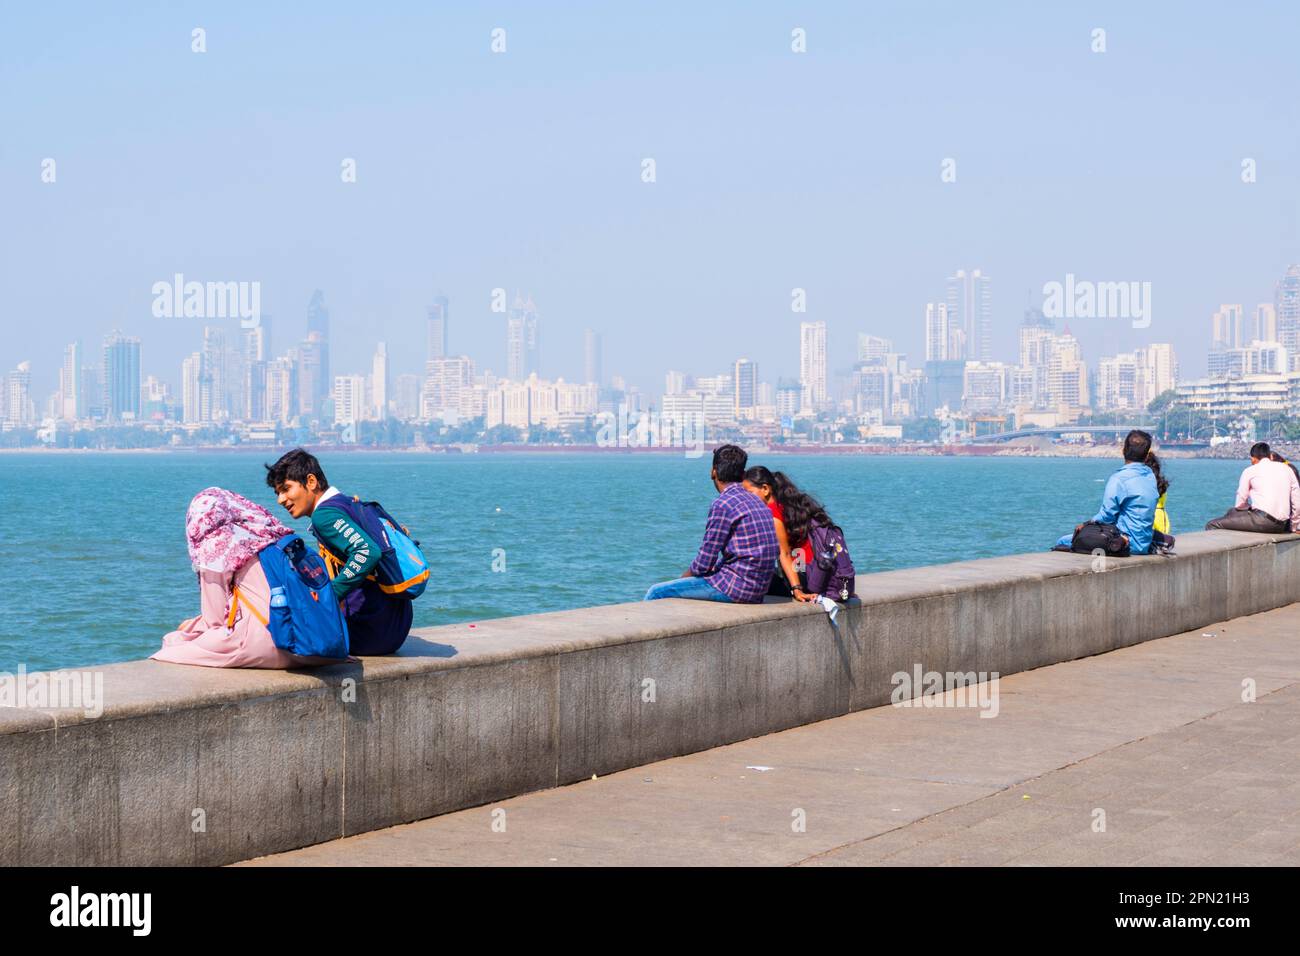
(790, 186)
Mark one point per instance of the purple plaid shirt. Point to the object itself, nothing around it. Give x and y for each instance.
(739, 551)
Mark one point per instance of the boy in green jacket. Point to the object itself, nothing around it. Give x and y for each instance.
(377, 622)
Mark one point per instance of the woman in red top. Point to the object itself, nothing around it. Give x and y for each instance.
(794, 559)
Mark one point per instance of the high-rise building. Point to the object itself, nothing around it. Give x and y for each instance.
(1264, 326)
(1117, 382)
(674, 382)
(213, 377)
(379, 383)
(970, 313)
(256, 342)
(1227, 328)
(872, 348)
(313, 354)
(318, 325)
(872, 389)
(251, 402)
(593, 359)
(937, 337)
(192, 389)
(1286, 305)
(282, 389)
(349, 399)
(521, 340)
(1157, 371)
(72, 400)
(20, 411)
(788, 396)
(446, 381)
(984, 386)
(745, 388)
(156, 402)
(812, 366)
(121, 383)
(406, 397)
(1067, 376)
(437, 329)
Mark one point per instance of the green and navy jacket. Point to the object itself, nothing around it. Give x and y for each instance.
(352, 553)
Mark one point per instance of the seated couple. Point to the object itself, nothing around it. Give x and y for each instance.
(1268, 496)
(747, 550)
(225, 532)
(1133, 501)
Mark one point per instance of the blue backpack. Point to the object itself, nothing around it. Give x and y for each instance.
(304, 618)
(403, 569)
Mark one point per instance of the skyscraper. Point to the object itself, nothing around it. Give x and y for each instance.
(937, 339)
(970, 312)
(72, 400)
(313, 355)
(744, 386)
(282, 389)
(349, 399)
(593, 364)
(1286, 304)
(121, 377)
(192, 388)
(1227, 328)
(437, 329)
(254, 353)
(1264, 327)
(872, 348)
(19, 409)
(522, 358)
(379, 383)
(812, 366)
(318, 323)
(214, 377)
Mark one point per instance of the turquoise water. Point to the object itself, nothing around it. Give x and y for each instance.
(98, 569)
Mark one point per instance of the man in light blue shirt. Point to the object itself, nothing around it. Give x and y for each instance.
(1129, 501)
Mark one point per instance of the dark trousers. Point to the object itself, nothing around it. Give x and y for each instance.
(1252, 519)
(381, 624)
(780, 587)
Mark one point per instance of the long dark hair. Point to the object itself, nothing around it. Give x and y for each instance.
(1274, 456)
(1152, 462)
(802, 510)
(758, 475)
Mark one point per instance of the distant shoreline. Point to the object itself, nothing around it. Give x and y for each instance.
(1221, 452)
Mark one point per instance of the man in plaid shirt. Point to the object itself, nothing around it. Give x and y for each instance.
(739, 552)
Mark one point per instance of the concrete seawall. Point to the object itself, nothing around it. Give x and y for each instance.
(188, 765)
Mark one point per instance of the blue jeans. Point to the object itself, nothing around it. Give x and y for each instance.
(697, 589)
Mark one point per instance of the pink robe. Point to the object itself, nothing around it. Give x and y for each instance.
(205, 640)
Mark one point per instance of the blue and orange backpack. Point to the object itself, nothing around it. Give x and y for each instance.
(403, 569)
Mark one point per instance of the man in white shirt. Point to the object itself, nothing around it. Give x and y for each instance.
(1268, 497)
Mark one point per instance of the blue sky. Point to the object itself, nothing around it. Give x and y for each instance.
(522, 170)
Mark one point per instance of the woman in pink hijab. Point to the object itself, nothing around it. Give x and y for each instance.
(225, 531)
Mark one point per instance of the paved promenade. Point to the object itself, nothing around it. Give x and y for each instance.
(1154, 743)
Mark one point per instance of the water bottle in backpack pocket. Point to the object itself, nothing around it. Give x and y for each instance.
(304, 618)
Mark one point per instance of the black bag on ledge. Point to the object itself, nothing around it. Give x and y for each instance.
(1096, 536)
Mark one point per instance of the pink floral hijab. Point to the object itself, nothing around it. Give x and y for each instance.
(225, 530)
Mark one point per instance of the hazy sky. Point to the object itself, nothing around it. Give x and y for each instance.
(522, 170)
